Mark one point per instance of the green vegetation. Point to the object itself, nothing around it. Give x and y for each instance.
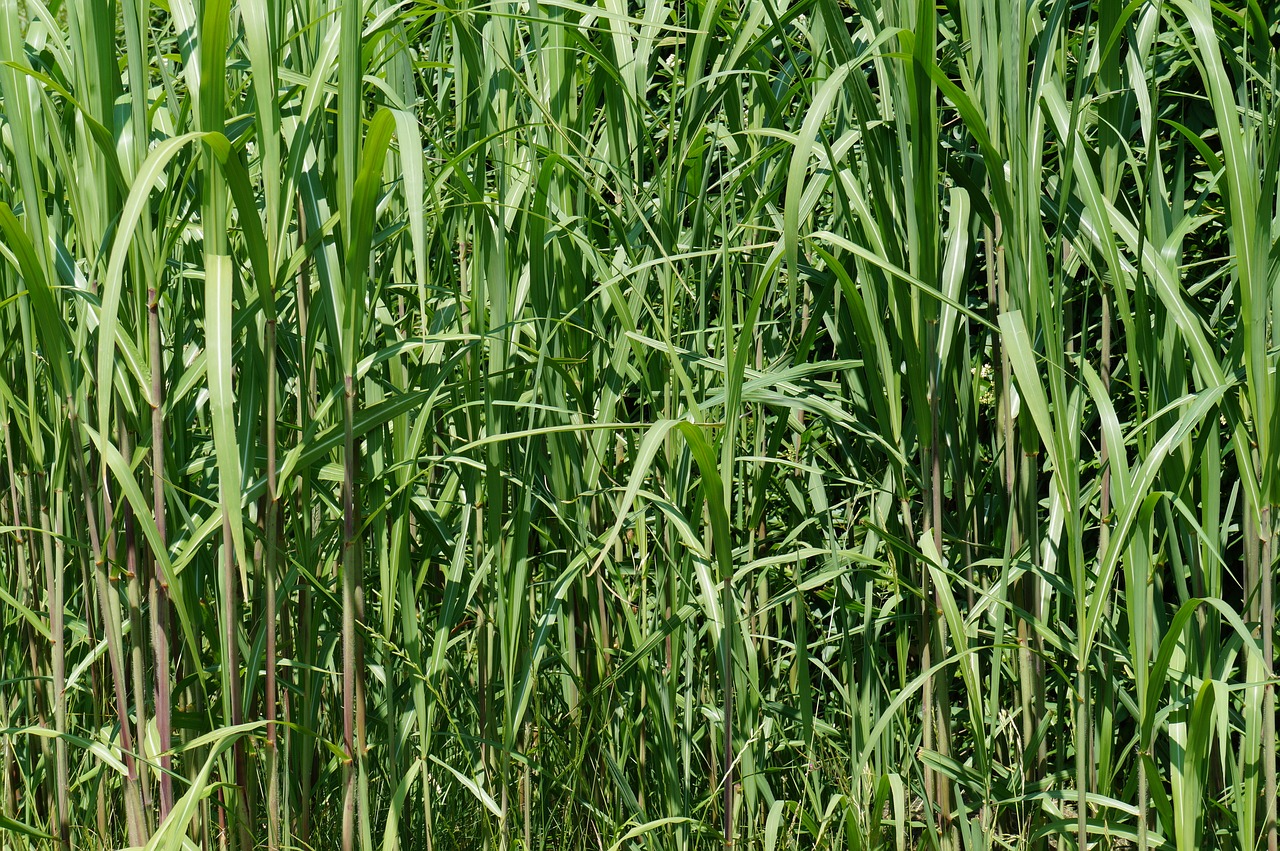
(830, 424)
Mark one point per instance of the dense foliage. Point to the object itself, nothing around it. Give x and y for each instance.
(658, 424)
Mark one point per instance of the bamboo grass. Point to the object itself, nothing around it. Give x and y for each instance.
(638, 424)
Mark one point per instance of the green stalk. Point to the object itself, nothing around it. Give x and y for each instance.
(137, 650)
(269, 592)
(350, 68)
(727, 605)
(157, 590)
(58, 669)
(1268, 626)
(350, 564)
(231, 680)
(303, 644)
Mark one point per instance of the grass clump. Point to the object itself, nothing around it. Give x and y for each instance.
(638, 425)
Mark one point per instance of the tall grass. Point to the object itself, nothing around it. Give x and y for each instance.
(651, 425)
